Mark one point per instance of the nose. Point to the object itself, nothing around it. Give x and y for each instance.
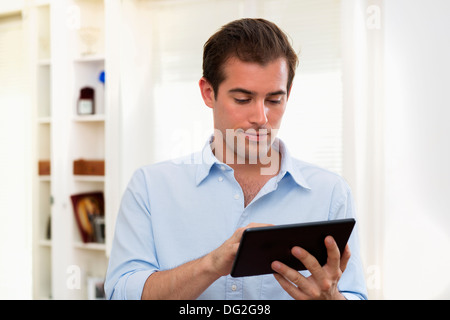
(258, 114)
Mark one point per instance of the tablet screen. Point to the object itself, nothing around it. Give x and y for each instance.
(259, 247)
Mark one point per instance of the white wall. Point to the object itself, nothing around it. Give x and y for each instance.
(15, 181)
(417, 215)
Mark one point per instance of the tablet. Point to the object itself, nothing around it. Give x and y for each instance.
(260, 246)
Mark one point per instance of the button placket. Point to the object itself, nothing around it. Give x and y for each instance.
(233, 288)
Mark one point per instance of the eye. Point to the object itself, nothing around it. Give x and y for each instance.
(275, 99)
(241, 101)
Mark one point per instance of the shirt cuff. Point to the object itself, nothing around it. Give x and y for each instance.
(351, 296)
(135, 284)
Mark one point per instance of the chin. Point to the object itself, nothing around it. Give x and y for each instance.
(253, 151)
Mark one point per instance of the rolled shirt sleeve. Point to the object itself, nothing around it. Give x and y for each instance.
(133, 257)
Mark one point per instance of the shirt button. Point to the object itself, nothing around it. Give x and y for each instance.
(236, 196)
(233, 287)
(220, 179)
(222, 168)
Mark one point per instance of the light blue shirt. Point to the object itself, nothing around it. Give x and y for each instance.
(177, 211)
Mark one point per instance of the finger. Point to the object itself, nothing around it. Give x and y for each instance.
(345, 258)
(287, 272)
(290, 274)
(257, 225)
(237, 235)
(309, 261)
(294, 291)
(334, 256)
(295, 284)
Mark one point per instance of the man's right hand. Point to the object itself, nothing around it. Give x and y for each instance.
(222, 258)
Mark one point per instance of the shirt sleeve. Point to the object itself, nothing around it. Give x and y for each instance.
(133, 257)
(352, 283)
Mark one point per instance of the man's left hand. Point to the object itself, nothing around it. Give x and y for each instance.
(322, 283)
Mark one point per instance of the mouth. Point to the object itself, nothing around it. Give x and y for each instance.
(255, 136)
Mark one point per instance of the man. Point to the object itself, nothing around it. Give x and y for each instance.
(180, 222)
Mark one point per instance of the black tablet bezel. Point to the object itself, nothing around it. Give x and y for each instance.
(260, 246)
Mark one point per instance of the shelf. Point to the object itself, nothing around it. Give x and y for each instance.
(89, 178)
(90, 246)
(98, 58)
(44, 120)
(44, 62)
(45, 243)
(45, 178)
(89, 118)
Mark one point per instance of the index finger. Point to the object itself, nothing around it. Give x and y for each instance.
(238, 233)
(309, 261)
(345, 257)
(334, 256)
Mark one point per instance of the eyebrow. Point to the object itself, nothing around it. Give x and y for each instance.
(245, 91)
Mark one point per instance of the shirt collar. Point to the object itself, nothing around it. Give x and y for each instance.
(207, 160)
(288, 166)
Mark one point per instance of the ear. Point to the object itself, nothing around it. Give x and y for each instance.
(207, 92)
(289, 92)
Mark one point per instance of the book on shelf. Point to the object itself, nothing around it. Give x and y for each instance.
(90, 216)
(89, 167)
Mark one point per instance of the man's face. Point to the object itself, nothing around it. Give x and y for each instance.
(251, 101)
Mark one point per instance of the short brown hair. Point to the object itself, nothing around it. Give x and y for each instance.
(250, 40)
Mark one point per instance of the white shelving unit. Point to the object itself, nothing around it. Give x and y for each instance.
(69, 52)
(42, 125)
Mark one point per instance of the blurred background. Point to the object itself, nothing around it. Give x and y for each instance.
(370, 101)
